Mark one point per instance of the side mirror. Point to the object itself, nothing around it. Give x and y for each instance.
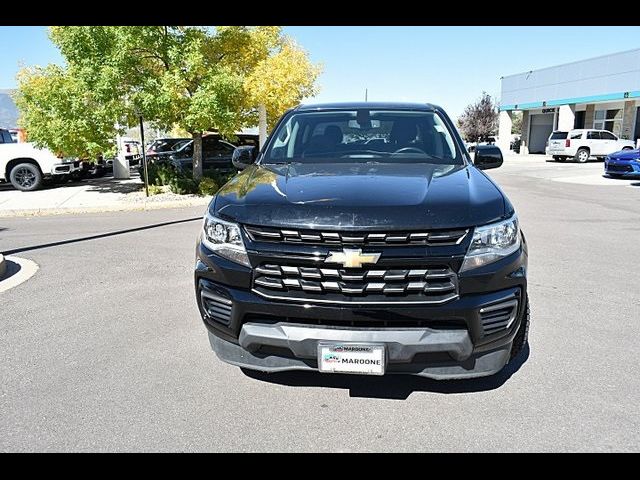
(244, 156)
(487, 156)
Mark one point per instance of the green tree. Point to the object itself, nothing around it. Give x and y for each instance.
(61, 113)
(516, 125)
(479, 120)
(195, 78)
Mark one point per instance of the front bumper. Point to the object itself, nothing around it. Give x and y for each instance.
(457, 339)
(623, 168)
(66, 168)
(424, 352)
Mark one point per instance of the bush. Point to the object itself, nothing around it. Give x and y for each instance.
(182, 182)
(207, 186)
(220, 177)
(166, 174)
(161, 174)
(155, 189)
(183, 186)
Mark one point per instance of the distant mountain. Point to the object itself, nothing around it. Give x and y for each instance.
(8, 110)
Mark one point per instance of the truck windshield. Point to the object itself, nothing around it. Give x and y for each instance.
(363, 135)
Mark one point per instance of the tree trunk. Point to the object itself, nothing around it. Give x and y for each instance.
(262, 125)
(197, 156)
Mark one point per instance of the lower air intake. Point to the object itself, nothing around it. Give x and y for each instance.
(498, 316)
(216, 307)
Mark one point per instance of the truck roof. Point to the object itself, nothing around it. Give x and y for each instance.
(426, 107)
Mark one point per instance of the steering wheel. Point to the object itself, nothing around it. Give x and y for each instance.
(409, 150)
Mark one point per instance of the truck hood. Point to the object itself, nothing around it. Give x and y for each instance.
(361, 195)
(626, 155)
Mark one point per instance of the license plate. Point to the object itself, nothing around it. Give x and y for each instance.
(365, 359)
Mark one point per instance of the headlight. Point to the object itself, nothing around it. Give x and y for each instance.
(225, 239)
(491, 243)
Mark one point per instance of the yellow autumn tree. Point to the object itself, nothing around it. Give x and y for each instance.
(281, 80)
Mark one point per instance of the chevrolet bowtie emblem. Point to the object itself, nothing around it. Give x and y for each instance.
(352, 257)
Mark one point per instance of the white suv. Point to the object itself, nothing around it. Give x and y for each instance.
(584, 143)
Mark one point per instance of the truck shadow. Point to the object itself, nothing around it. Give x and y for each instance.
(11, 268)
(392, 387)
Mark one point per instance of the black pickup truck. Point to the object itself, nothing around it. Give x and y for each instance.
(363, 238)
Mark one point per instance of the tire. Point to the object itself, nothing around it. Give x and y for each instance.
(582, 155)
(26, 177)
(614, 175)
(522, 336)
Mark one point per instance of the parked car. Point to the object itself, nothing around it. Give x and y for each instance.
(216, 154)
(27, 167)
(556, 144)
(161, 148)
(490, 140)
(246, 139)
(515, 144)
(95, 169)
(132, 150)
(625, 163)
(15, 134)
(333, 255)
(583, 144)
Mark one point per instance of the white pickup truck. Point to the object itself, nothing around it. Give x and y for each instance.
(27, 167)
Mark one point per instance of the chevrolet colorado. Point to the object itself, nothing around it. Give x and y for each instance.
(363, 239)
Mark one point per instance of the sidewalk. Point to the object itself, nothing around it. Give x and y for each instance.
(93, 195)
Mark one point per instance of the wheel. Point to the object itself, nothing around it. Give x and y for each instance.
(614, 175)
(522, 336)
(26, 177)
(627, 148)
(582, 155)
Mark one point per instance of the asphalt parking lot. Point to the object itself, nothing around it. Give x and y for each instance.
(103, 348)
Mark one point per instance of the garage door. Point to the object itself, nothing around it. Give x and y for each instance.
(541, 128)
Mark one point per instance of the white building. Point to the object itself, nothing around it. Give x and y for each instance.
(601, 92)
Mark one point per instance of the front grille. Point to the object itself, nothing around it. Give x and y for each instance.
(216, 307)
(433, 284)
(316, 237)
(369, 322)
(612, 167)
(498, 316)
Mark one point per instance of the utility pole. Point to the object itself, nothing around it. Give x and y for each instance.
(366, 94)
(144, 158)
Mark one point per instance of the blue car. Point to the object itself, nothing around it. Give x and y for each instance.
(625, 163)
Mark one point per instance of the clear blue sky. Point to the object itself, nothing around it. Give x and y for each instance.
(449, 66)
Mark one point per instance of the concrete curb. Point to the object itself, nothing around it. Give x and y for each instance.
(123, 207)
(26, 269)
(3, 266)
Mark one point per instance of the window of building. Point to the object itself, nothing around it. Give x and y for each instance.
(607, 136)
(610, 120)
(598, 119)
